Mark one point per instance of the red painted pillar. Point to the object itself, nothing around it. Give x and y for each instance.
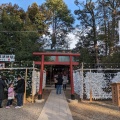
(71, 79)
(41, 78)
(56, 59)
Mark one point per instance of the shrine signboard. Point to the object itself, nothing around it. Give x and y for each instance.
(7, 57)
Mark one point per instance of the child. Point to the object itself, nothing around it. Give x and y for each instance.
(10, 95)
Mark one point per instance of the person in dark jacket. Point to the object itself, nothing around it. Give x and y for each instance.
(2, 86)
(59, 84)
(20, 89)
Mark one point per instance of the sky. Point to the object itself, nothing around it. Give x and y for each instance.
(25, 3)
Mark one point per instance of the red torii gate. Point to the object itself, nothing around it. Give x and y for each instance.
(56, 62)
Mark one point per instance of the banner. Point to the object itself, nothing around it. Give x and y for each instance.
(7, 58)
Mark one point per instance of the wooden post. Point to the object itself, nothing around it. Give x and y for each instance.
(90, 87)
(82, 80)
(119, 31)
(90, 95)
(32, 83)
(11, 64)
(24, 101)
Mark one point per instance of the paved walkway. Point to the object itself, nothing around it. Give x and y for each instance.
(56, 108)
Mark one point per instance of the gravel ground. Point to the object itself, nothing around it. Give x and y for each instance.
(83, 110)
(30, 111)
(96, 110)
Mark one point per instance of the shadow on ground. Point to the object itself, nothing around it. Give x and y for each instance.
(96, 110)
(30, 111)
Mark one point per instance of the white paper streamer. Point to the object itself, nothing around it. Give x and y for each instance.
(100, 83)
(36, 81)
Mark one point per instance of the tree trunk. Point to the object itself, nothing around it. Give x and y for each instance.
(95, 39)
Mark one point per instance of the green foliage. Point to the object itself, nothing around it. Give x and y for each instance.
(115, 58)
(85, 55)
(33, 10)
(18, 34)
(98, 33)
(39, 16)
(21, 32)
(61, 19)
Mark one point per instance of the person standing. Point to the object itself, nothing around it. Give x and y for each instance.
(11, 94)
(2, 86)
(55, 79)
(65, 80)
(20, 89)
(59, 84)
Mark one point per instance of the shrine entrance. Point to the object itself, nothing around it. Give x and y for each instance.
(53, 70)
(59, 61)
